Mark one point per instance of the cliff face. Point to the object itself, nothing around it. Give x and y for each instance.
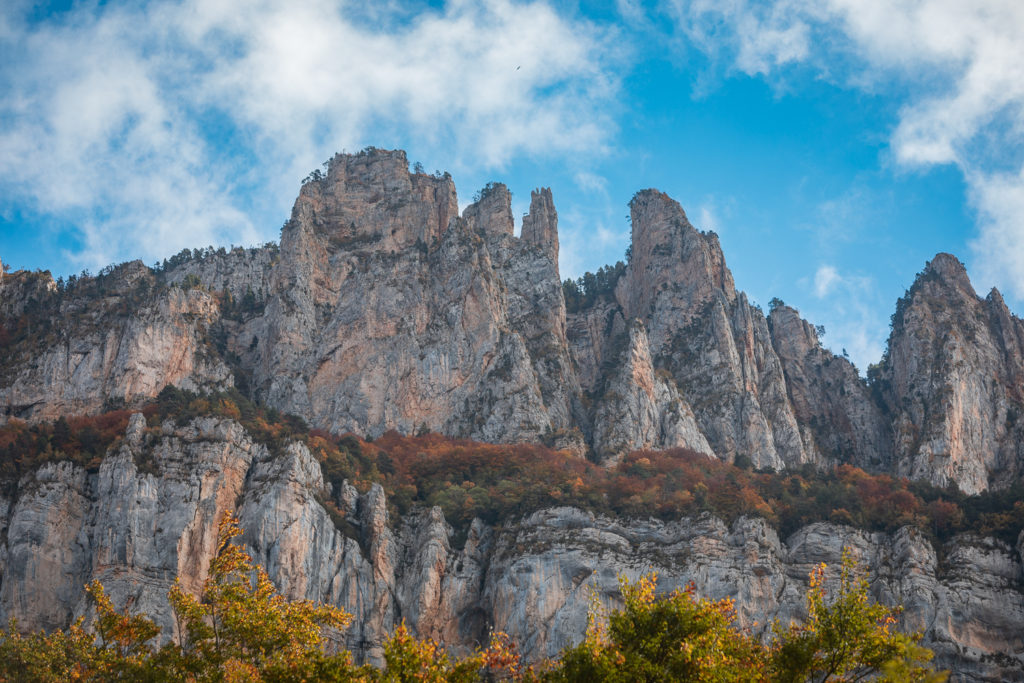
(389, 311)
(150, 513)
(113, 340)
(834, 407)
(383, 308)
(723, 369)
(952, 380)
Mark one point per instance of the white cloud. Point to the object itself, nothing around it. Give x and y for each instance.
(851, 309)
(707, 219)
(958, 65)
(761, 36)
(825, 280)
(188, 123)
(591, 182)
(1000, 242)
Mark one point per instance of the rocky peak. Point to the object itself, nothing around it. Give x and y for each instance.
(799, 336)
(940, 288)
(670, 258)
(371, 197)
(491, 214)
(942, 292)
(540, 226)
(950, 270)
(952, 379)
(19, 288)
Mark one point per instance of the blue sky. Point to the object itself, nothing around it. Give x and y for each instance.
(834, 145)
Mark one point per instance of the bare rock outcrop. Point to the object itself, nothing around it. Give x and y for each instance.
(540, 225)
(675, 272)
(839, 418)
(244, 274)
(491, 214)
(391, 312)
(149, 515)
(23, 289)
(115, 340)
(46, 554)
(952, 381)
(705, 336)
(641, 408)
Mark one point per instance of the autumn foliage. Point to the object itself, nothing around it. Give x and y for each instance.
(501, 482)
(82, 440)
(240, 629)
(682, 637)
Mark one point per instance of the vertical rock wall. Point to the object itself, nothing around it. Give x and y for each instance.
(150, 514)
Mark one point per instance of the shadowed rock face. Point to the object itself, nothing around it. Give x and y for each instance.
(383, 308)
(833, 406)
(532, 578)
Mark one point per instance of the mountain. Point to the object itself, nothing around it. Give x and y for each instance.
(383, 308)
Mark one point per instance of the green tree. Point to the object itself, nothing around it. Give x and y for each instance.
(673, 638)
(849, 638)
(409, 660)
(681, 638)
(240, 628)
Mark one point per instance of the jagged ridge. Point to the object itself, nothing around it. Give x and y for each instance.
(383, 308)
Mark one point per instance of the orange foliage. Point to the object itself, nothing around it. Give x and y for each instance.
(496, 482)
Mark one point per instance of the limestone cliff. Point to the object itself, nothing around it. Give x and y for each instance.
(389, 311)
(111, 340)
(952, 380)
(832, 404)
(150, 513)
(713, 346)
(383, 308)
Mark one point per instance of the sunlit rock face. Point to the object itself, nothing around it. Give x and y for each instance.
(952, 382)
(389, 311)
(151, 512)
(106, 343)
(385, 308)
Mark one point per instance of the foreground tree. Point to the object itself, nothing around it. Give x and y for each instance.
(241, 629)
(673, 638)
(238, 629)
(849, 638)
(681, 638)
